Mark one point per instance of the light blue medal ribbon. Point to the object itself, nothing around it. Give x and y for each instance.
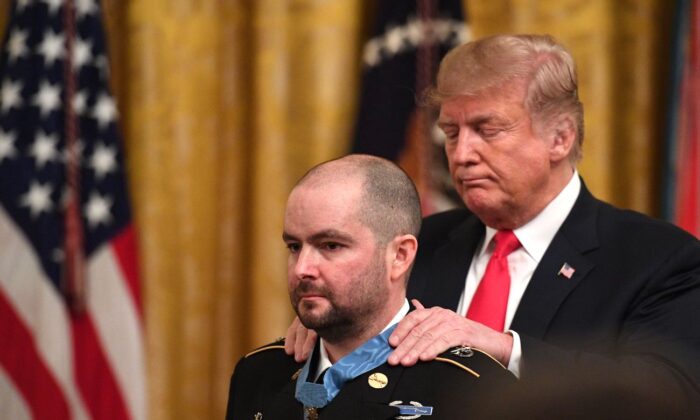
(368, 356)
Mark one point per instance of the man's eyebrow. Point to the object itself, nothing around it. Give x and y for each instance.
(474, 120)
(331, 234)
(318, 236)
(287, 237)
(445, 120)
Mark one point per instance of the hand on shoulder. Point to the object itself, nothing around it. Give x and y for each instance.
(427, 332)
(299, 341)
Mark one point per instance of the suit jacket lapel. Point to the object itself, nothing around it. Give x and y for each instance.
(548, 288)
(451, 263)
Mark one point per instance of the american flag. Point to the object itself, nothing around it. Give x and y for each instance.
(567, 271)
(71, 343)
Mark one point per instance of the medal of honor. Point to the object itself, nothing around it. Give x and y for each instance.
(311, 413)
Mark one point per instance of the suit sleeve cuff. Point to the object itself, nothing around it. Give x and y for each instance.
(515, 354)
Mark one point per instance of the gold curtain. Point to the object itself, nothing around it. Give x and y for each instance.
(224, 103)
(621, 49)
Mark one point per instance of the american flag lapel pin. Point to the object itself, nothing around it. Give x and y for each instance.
(566, 270)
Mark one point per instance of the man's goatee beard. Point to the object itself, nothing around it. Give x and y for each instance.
(330, 326)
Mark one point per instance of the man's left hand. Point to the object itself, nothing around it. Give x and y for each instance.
(425, 333)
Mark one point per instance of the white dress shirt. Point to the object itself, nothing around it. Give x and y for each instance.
(535, 237)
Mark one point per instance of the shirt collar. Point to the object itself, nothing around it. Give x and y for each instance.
(324, 362)
(536, 235)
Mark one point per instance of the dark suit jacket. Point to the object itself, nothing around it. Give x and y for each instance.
(632, 306)
(263, 384)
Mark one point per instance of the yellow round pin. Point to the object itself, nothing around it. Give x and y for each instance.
(378, 380)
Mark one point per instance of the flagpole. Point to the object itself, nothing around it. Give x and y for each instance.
(74, 263)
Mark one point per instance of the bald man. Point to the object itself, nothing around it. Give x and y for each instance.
(350, 226)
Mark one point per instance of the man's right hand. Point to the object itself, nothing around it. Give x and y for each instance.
(299, 341)
(426, 332)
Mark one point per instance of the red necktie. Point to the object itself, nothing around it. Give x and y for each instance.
(491, 298)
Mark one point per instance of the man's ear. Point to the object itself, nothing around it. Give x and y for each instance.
(563, 137)
(402, 253)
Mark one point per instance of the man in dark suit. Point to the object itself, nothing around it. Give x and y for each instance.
(585, 287)
(350, 226)
(593, 289)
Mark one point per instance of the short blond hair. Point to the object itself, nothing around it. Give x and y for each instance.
(545, 65)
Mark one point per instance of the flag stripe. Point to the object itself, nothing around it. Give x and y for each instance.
(40, 308)
(118, 325)
(19, 357)
(93, 373)
(126, 251)
(13, 404)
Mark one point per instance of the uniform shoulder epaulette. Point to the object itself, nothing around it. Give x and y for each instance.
(276, 345)
(461, 357)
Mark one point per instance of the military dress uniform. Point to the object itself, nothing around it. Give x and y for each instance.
(452, 387)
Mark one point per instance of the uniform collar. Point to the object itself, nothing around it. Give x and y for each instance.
(324, 362)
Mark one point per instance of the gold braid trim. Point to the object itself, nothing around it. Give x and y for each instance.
(263, 349)
(459, 365)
